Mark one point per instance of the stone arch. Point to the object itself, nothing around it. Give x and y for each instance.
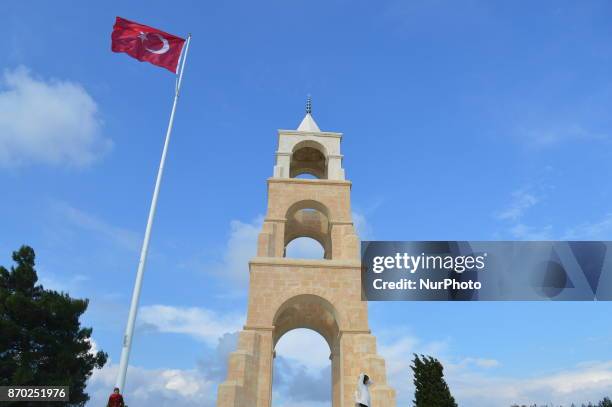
(308, 157)
(308, 204)
(318, 314)
(309, 218)
(307, 311)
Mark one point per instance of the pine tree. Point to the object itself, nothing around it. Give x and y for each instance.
(606, 402)
(431, 388)
(42, 341)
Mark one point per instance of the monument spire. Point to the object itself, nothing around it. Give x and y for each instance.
(308, 123)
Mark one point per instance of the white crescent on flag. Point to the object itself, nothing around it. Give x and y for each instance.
(165, 45)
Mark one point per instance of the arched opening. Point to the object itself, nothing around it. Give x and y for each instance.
(307, 219)
(301, 377)
(308, 157)
(304, 248)
(309, 322)
(306, 175)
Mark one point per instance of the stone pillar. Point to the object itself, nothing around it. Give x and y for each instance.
(334, 169)
(283, 162)
(360, 356)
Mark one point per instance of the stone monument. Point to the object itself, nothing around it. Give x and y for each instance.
(323, 294)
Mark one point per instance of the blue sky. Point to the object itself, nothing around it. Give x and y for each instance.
(462, 120)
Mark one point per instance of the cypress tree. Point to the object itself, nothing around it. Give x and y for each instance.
(431, 389)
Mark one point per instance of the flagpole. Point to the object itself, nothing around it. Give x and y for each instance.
(129, 330)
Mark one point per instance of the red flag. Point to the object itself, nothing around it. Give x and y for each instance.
(147, 44)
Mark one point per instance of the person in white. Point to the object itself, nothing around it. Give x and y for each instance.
(362, 394)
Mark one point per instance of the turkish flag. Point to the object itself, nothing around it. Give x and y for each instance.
(147, 44)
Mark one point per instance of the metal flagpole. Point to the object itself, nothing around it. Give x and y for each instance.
(129, 330)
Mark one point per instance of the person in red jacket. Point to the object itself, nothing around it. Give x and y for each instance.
(115, 399)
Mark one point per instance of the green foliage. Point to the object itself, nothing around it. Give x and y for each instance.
(42, 341)
(606, 402)
(431, 388)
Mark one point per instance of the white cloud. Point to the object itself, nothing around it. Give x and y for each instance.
(524, 232)
(123, 237)
(576, 385)
(199, 323)
(166, 387)
(154, 387)
(291, 346)
(240, 248)
(547, 137)
(214, 365)
(94, 346)
(304, 248)
(51, 122)
(521, 201)
(595, 376)
(600, 230)
(301, 403)
(480, 362)
(477, 382)
(362, 227)
(299, 380)
(68, 284)
(302, 378)
(398, 355)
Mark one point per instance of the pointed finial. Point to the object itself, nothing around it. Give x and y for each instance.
(309, 105)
